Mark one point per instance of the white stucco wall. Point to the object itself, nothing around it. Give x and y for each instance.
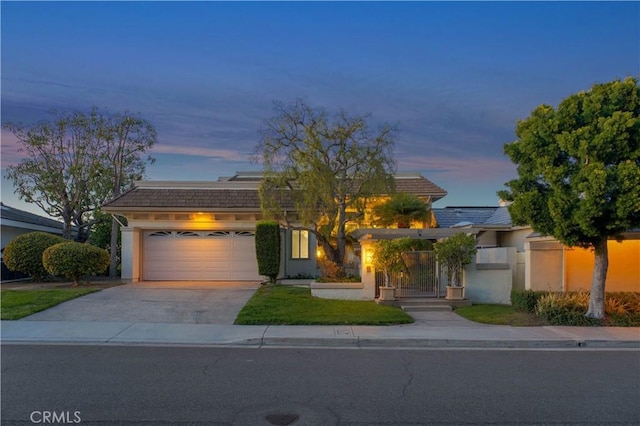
(489, 279)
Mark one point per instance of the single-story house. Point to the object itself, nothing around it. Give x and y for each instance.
(14, 222)
(543, 263)
(205, 230)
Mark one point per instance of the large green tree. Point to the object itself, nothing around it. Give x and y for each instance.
(76, 161)
(579, 172)
(323, 168)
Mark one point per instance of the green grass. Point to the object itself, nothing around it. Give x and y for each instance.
(282, 305)
(16, 304)
(500, 315)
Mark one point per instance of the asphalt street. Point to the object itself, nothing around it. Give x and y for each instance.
(246, 386)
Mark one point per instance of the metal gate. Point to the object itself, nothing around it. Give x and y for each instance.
(421, 276)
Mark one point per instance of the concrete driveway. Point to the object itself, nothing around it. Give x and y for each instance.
(177, 302)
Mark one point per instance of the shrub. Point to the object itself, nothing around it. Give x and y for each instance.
(24, 253)
(455, 252)
(526, 300)
(268, 249)
(565, 309)
(75, 260)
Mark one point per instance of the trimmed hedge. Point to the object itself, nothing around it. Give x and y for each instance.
(75, 260)
(268, 249)
(526, 300)
(24, 253)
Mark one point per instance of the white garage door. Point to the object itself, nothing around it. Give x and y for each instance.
(199, 256)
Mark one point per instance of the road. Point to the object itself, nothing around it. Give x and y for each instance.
(246, 386)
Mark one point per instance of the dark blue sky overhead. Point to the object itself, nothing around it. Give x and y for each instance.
(455, 77)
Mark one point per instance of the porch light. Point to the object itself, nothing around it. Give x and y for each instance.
(368, 258)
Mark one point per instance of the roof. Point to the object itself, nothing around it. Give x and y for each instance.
(424, 234)
(17, 215)
(239, 192)
(448, 217)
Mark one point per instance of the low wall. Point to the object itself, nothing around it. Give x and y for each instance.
(489, 279)
(341, 291)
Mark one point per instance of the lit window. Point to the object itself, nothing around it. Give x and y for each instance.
(299, 244)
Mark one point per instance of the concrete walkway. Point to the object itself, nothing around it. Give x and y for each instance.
(202, 313)
(442, 330)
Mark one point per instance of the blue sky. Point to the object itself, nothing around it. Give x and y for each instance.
(455, 77)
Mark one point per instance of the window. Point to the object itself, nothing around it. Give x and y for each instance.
(299, 244)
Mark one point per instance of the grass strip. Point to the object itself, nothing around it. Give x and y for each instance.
(16, 304)
(499, 315)
(284, 305)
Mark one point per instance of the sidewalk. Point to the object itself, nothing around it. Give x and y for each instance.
(434, 331)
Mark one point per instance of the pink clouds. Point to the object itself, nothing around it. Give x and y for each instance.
(471, 169)
(196, 151)
(10, 147)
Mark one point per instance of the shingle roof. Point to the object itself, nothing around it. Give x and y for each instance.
(230, 194)
(11, 213)
(420, 186)
(187, 198)
(450, 216)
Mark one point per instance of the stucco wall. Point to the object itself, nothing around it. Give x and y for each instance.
(624, 267)
(489, 278)
(543, 268)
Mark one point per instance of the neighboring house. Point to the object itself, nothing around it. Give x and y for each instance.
(15, 222)
(542, 262)
(205, 230)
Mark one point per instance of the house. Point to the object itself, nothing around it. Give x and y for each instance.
(14, 222)
(543, 263)
(205, 230)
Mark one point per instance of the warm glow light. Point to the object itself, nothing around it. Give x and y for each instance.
(368, 258)
(318, 252)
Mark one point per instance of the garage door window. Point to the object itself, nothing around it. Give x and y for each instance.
(300, 244)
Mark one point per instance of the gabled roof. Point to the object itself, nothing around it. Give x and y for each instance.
(239, 192)
(448, 217)
(12, 214)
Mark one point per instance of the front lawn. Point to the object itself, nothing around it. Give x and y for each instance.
(500, 315)
(16, 304)
(283, 305)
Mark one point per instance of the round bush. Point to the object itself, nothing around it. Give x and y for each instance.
(24, 253)
(75, 260)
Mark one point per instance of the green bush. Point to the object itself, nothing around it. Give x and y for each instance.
(24, 253)
(75, 260)
(268, 249)
(565, 309)
(526, 300)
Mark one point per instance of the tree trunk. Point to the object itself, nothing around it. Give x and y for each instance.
(598, 280)
(387, 279)
(341, 235)
(113, 249)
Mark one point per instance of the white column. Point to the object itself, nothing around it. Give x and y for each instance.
(131, 256)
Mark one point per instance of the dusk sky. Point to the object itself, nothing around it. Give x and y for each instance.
(454, 77)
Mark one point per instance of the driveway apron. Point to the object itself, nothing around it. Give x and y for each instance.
(177, 302)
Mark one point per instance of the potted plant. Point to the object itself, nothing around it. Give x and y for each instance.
(387, 257)
(455, 253)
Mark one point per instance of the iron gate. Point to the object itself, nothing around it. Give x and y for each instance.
(422, 276)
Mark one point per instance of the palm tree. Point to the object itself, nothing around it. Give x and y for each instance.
(402, 209)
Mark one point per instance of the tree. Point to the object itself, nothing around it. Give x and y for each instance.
(129, 138)
(401, 210)
(579, 172)
(387, 256)
(455, 253)
(268, 249)
(61, 166)
(77, 161)
(323, 168)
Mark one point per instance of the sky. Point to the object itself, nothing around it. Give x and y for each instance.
(454, 77)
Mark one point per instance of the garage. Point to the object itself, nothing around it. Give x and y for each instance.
(199, 256)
